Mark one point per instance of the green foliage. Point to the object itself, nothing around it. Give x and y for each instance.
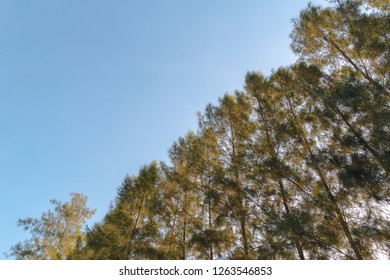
(57, 233)
(295, 166)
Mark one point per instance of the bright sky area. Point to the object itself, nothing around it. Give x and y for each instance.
(91, 90)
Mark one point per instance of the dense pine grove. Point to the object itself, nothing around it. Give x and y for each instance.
(294, 166)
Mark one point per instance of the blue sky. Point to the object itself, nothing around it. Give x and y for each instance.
(91, 90)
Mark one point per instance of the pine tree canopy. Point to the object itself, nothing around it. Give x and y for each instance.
(293, 166)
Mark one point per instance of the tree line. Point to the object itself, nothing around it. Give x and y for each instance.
(293, 166)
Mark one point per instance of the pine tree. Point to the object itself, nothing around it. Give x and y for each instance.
(295, 166)
(230, 124)
(131, 229)
(57, 233)
(352, 34)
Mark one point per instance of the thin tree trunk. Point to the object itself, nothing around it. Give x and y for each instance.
(132, 234)
(244, 236)
(271, 150)
(211, 253)
(171, 238)
(340, 216)
(287, 209)
(184, 247)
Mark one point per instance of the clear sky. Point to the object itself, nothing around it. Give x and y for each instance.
(91, 90)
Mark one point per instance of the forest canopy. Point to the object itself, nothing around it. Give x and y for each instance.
(293, 166)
